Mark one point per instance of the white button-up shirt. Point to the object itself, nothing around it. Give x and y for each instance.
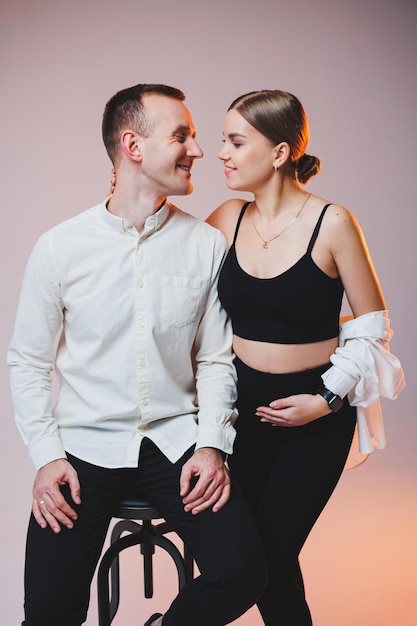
(143, 335)
(364, 369)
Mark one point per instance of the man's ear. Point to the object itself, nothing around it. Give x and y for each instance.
(130, 143)
(282, 153)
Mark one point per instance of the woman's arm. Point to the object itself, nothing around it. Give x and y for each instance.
(344, 239)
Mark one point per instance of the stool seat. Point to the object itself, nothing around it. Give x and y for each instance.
(145, 534)
(134, 508)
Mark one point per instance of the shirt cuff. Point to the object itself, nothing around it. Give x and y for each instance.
(214, 436)
(46, 450)
(337, 381)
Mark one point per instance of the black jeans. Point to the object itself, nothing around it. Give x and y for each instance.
(225, 545)
(287, 476)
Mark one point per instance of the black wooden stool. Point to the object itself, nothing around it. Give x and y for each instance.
(148, 536)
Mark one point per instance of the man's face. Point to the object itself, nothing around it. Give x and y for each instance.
(168, 155)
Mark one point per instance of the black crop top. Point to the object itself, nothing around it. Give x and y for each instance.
(301, 305)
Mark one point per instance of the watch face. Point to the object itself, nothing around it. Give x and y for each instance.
(335, 403)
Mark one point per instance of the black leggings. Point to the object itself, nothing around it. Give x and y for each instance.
(287, 476)
(225, 545)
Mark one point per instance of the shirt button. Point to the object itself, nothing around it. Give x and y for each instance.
(145, 403)
(142, 363)
(140, 284)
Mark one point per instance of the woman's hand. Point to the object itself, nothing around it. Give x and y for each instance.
(294, 411)
(112, 182)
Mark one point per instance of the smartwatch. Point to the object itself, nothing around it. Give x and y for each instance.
(334, 401)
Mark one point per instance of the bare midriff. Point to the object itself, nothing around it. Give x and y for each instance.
(280, 358)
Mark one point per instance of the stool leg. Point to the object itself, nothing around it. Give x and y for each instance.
(121, 544)
(164, 528)
(189, 565)
(119, 528)
(105, 614)
(175, 554)
(147, 549)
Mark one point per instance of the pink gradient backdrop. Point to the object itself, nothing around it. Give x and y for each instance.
(352, 63)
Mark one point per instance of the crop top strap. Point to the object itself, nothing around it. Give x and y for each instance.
(242, 212)
(316, 229)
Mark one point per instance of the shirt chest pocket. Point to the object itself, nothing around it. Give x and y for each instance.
(180, 298)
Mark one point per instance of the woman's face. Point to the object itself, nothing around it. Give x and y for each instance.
(248, 156)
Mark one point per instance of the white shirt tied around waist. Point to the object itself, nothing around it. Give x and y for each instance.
(140, 320)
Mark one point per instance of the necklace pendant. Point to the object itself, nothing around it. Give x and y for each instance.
(265, 245)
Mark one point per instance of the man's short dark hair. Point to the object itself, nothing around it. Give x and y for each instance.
(125, 110)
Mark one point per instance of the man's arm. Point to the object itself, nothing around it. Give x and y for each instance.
(30, 358)
(31, 355)
(216, 390)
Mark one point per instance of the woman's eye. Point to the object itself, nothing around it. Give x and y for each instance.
(235, 144)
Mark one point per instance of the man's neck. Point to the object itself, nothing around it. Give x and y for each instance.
(135, 206)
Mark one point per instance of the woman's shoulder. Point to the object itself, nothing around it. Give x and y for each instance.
(338, 211)
(225, 216)
(337, 216)
(341, 230)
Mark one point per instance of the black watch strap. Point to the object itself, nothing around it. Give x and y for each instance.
(334, 401)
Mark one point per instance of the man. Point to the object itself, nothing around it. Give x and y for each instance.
(147, 383)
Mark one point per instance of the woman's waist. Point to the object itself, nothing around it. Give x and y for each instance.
(276, 358)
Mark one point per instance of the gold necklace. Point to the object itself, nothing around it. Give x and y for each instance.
(267, 241)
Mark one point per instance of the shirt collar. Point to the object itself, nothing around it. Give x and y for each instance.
(152, 223)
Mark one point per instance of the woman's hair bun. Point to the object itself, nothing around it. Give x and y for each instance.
(306, 167)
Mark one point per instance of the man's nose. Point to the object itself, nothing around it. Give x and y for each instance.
(194, 150)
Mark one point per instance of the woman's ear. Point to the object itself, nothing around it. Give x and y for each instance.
(130, 143)
(282, 153)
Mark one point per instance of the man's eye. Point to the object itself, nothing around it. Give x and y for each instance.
(181, 137)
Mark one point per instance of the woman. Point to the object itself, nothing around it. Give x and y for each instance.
(292, 256)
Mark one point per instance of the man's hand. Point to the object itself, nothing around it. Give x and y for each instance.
(213, 486)
(49, 505)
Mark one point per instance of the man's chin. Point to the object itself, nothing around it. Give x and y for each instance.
(183, 192)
